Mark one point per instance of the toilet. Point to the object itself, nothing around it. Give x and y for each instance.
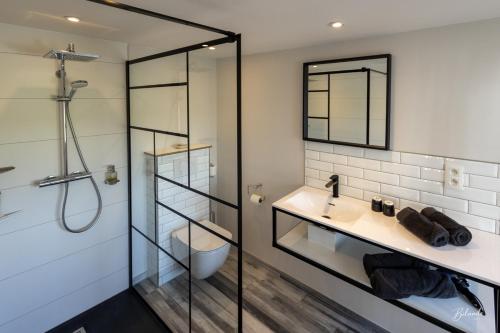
(208, 252)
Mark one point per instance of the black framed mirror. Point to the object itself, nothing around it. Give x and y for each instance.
(347, 101)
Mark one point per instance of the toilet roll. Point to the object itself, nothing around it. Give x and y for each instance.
(213, 170)
(256, 199)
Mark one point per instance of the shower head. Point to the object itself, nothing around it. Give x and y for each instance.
(67, 55)
(70, 54)
(76, 85)
(79, 84)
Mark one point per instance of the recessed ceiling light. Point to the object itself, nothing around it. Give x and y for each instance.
(315, 66)
(205, 45)
(211, 48)
(72, 19)
(336, 25)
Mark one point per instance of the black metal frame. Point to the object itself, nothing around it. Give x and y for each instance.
(305, 92)
(230, 37)
(345, 278)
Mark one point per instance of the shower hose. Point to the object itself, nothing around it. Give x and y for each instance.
(66, 185)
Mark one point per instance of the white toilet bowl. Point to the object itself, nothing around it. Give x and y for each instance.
(208, 252)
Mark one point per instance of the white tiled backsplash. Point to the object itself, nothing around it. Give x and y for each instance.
(410, 180)
(197, 207)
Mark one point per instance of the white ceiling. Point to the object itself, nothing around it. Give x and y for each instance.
(266, 25)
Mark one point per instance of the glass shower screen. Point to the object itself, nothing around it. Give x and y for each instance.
(185, 182)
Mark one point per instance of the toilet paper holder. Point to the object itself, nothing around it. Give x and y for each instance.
(254, 192)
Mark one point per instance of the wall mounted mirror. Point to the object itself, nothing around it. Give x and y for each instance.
(347, 101)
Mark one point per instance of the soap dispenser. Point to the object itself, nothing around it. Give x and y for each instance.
(111, 176)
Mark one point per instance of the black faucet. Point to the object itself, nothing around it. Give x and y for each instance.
(334, 183)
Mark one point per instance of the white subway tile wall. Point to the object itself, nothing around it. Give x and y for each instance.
(383, 155)
(485, 183)
(443, 201)
(476, 168)
(363, 163)
(348, 171)
(433, 174)
(399, 192)
(421, 184)
(488, 211)
(415, 205)
(312, 155)
(312, 173)
(333, 158)
(422, 160)
(351, 192)
(349, 151)
(363, 184)
(401, 169)
(410, 180)
(193, 205)
(382, 177)
(324, 166)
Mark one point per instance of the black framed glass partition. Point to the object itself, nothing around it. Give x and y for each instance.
(184, 149)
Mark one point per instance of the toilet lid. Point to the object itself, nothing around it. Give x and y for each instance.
(201, 239)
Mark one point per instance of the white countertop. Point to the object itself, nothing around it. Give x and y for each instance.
(480, 258)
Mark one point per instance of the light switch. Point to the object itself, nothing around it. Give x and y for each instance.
(454, 176)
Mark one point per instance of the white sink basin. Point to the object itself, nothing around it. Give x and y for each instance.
(315, 204)
(354, 218)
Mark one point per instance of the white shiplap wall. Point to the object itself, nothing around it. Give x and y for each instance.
(48, 275)
(410, 180)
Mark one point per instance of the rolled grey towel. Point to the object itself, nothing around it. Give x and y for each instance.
(459, 235)
(428, 231)
(389, 283)
(371, 262)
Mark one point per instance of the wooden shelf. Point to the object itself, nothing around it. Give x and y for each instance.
(173, 150)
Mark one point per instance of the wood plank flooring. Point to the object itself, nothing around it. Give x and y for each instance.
(271, 303)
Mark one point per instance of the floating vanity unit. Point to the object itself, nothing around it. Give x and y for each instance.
(333, 234)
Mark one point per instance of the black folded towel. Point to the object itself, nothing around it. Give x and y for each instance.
(428, 231)
(459, 235)
(388, 283)
(371, 262)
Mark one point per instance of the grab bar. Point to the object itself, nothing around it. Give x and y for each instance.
(6, 169)
(54, 180)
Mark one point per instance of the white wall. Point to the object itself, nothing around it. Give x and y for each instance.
(445, 101)
(48, 275)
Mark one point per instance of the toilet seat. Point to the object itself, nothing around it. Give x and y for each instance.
(201, 239)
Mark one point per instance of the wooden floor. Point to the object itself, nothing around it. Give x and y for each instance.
(271, 303)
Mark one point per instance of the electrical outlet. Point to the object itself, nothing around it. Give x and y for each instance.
(454, 176)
